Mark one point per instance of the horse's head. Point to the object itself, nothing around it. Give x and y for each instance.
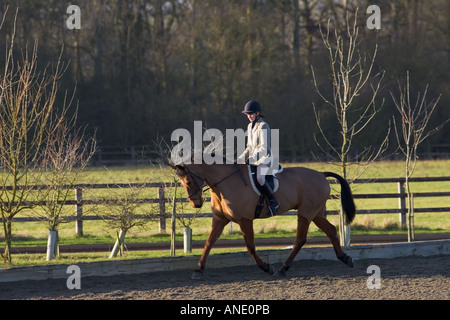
(192, 184)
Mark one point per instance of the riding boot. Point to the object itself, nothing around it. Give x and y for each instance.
(274, 206)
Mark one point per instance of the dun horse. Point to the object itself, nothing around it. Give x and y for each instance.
(233, 199)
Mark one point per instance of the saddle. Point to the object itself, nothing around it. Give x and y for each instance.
(271, 179)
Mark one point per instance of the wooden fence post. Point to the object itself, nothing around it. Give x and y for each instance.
(173, 227)
(162, 209)
(402, 203)
(79, 212)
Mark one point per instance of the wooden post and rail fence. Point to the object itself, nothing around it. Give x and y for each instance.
(161, 200)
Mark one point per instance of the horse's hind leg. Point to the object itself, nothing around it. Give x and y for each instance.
(248, 233)
(300, 240)
(330, 231)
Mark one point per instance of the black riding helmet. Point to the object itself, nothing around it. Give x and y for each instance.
(252, 107)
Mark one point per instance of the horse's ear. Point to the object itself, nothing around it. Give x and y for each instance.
(171, 164)
(180, 170)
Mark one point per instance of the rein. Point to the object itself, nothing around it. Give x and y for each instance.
(199, 189)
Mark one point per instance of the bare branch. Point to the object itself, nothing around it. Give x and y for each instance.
(414, 121)
(350, 73)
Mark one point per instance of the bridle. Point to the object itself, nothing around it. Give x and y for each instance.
(200, 189)
(197, 186)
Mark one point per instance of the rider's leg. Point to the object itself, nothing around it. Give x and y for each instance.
(274, 206)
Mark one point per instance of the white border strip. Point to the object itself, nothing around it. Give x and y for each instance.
(136, 266)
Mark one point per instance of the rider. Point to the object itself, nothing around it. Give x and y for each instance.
(258, 150)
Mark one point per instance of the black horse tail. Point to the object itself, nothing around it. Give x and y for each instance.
(346, 197)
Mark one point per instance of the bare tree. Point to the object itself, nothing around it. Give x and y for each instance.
(124, 208)
(68, 152)
(414, 117)
(179, 213)
(28, 117)
(178, 209)
(351, 73)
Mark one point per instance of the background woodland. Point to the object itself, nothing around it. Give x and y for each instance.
(143, 68)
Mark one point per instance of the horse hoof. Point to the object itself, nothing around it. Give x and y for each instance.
(267, 268)
(347, 260)
(197, 275)
(282, 272)
(271, 270)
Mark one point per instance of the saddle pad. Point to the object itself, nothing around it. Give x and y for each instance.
(273, 182)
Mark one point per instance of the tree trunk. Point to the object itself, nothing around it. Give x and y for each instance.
(309, 34)
(296, 36)
(410, 156)
(173, 227)
(410, 211)
(344, 229)
(7, 252)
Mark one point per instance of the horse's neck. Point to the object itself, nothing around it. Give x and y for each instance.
(215, 172)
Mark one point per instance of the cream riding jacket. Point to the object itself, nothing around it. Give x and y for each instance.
(258, 151)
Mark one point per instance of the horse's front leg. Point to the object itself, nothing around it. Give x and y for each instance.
(248, 233)
(218, 223)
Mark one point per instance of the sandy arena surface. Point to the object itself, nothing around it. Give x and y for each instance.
(408, 278)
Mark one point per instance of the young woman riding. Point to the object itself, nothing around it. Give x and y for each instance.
(258, 151)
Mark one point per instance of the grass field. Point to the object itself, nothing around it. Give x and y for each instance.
(35, 233)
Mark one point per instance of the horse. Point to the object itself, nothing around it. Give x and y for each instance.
(233, 199)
